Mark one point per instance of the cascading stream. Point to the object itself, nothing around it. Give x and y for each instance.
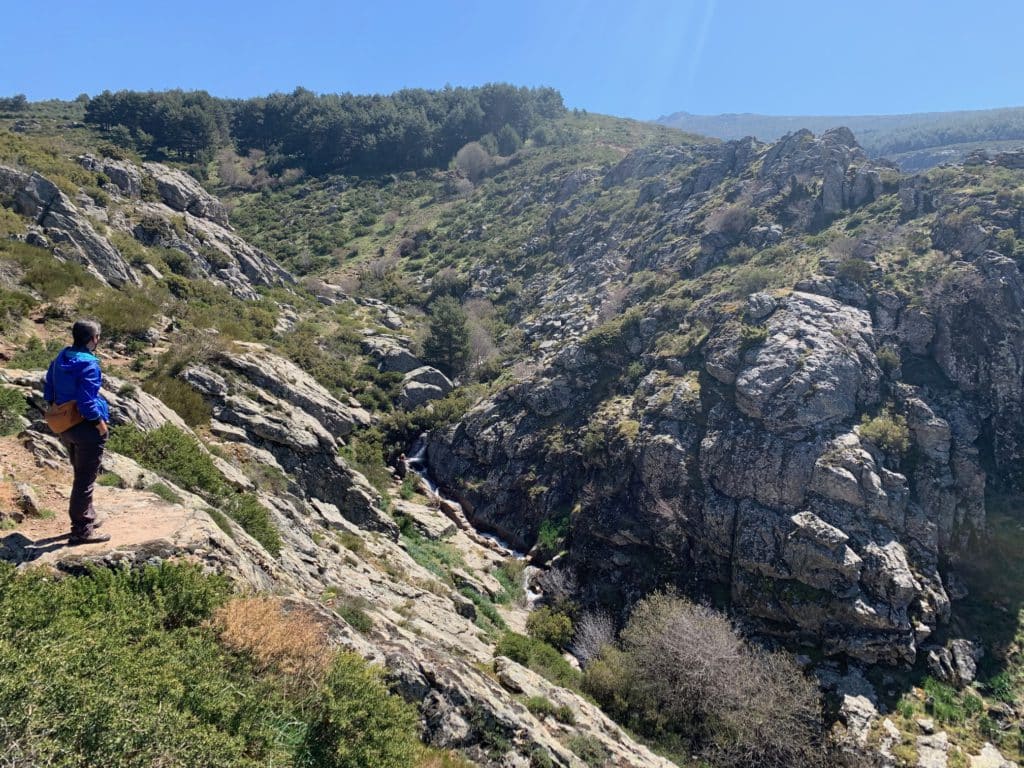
(416, 461)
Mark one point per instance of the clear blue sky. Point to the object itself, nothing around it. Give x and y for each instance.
(638, 59)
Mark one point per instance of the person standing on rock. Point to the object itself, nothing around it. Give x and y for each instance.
(73, 380)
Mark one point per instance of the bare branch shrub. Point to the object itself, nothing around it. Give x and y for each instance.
(732, 220)
(473, 160)
(682, 668)
(379, 268)
(594, 631)
(559, 585)
(843, 247)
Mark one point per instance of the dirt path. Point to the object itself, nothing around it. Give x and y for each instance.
(130, 517)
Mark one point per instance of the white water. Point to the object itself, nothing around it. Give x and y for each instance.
(417, 462)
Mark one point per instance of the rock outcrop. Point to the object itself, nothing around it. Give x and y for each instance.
(271, 405)
(752, 473)
(71, 233)
(183, 217)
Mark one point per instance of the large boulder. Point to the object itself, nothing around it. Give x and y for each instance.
(181, 192)
(815, 368)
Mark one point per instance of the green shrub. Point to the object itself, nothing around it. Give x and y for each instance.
(352, 542)
(542, 707)
(510, 575)
(855, 270)
(45, 274)
(110, 480)
(552, 534)
(246, 510)
(943, 702)
(123, 313)
(408, 489)
(173, 453)
(124, 668)
(180, 457)
(357, 723)
(589, 750)
(35, 355)
(538, 656)
(14, 306)
(609, 341)
(438, 557)
(365, 451)
(551, 627)
(181, 398)
(221, 520)
(1001, 686)
(752, 335)
(12, 407)
(485, 607)
(886, 430)
(165, 492)
(353, 611)
(888, 357)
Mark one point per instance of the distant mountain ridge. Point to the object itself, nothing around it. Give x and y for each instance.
(913, 141)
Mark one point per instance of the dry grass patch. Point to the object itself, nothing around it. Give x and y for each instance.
(292, 642)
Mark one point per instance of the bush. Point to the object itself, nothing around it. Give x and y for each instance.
(123, 313)
(589, 750)
(593, 632)
(110, 480)
(510, 575)
(752, 335)
(543, 659)
(35, 355)
(683, 671)
(732, 221)
(485, 608)
(14, 305)
(246, 510)
(173, 453)
(290, 641)
(551, 535)
(889, 432)
(180, 397)
(358, 724)
(12, 407)
(180, 457)
(888, 357)
(855, 270)
(140, 678)
(542, 707)
(165, 492)
(551, 627)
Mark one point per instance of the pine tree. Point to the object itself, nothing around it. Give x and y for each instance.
(447, 344)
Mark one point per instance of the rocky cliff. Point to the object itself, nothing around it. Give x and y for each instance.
(749, 453)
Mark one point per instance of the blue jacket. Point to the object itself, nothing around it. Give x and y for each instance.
(75, 375)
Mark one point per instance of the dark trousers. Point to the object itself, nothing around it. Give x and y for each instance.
(85, 448)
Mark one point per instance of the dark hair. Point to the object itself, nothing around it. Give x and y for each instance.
(83, 331)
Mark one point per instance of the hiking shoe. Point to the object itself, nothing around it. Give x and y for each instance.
(88, 538)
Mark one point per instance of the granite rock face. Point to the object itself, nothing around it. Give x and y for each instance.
(749, 473)
(71, 233)
(183, 217)
(269, 404)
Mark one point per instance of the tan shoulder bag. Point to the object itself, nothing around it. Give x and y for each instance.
(61, 418)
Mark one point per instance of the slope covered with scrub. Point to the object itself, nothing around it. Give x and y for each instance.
(778, 378)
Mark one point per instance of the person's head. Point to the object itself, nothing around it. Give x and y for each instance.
(86, 333)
